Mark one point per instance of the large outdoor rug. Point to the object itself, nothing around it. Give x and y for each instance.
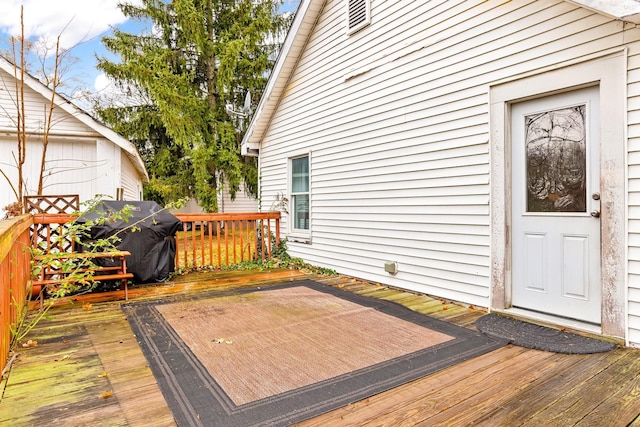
(285, 353)
(539, 337)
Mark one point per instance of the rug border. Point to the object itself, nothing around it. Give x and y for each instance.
(339, 391)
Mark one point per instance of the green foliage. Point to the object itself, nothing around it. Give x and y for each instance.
(286, 263)
(201, 56)
(280, 259)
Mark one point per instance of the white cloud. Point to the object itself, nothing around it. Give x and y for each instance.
(111, 94)
(83, 19)
(105, 88)
(102, 83)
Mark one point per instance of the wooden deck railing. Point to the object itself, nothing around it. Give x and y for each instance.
(206, 239)
(15, 271)
(226, 238)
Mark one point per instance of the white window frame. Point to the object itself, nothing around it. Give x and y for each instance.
(367, 12)
(298, 234)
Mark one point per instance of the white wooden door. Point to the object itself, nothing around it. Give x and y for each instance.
(556, 206)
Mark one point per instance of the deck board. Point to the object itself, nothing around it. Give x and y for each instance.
(441, 406)
(88, 348)
(571, 407)
(407, 400)
(501, 388)
(621, 406)
(531, 403)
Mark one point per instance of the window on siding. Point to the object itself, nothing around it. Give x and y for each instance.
(300, 193)
(358, 14)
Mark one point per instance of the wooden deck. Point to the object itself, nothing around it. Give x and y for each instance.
(87, 369)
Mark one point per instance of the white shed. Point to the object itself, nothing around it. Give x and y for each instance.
(84, 157)
(486, 152)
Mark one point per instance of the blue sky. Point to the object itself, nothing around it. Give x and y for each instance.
(81, 24)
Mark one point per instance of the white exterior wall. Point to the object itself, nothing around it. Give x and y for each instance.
(242, 203)
(396, 119)
(70, 168)
(130, 181)
(191, 206)
(108, 167)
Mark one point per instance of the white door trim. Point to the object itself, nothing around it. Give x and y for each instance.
(609, 73)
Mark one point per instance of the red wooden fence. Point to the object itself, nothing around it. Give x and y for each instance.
(15, 271)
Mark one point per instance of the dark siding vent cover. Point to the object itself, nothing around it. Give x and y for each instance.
(358, 14)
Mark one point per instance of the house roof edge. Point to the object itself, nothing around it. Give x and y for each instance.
(624, 10)
(303, 24)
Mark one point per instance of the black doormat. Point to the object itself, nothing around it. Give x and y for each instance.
(538, 337)
(196, 398)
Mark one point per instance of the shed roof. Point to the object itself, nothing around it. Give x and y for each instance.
(84, 117)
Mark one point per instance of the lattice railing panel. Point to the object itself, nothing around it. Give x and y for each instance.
(52, 204)
(52, 236)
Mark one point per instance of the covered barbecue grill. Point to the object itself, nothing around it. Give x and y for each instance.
(151, 243)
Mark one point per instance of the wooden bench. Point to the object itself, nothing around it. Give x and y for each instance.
(49, 275)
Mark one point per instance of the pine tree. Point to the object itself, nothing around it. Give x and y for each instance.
(200, 56)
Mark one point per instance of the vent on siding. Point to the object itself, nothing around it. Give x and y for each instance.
(358, 14)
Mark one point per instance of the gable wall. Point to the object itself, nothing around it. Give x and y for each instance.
(36, 111)
(397, 121)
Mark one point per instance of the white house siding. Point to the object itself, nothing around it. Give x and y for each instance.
(633, 119)
(108, 167)
(242, 202)
(396, 119)
(70, 168)
(130, 181)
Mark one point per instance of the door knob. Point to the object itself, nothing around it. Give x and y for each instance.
(595, 214)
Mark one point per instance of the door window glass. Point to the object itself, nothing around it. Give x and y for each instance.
(556, 160)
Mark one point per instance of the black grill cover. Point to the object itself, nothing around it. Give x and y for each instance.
(152, 244)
